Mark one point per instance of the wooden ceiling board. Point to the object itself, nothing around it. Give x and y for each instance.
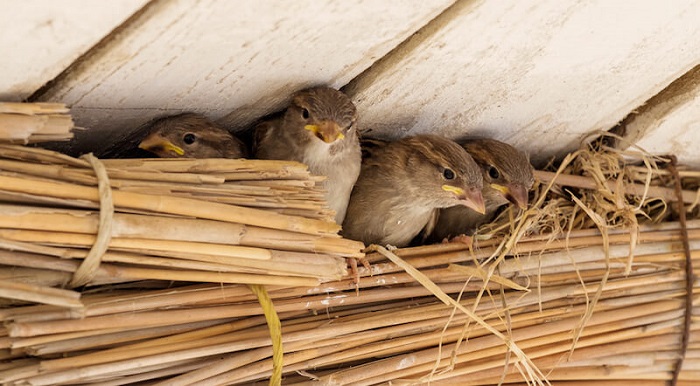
(669, 123)
(232, 60)
(537, 74)
(41, 38)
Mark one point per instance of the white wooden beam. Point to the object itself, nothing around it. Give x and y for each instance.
(232, 60)
(669, 123)
(539, 74)
(39, 38)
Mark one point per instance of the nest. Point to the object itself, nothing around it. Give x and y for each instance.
(198, 260)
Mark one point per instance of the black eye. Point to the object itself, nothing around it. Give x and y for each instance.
(189, 138)
(493, 173)
(448, 174)
(305, 113)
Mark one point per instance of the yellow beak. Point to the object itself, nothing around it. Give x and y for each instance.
(155, 143)
(515, 193)
(327, 131)
(472, 198)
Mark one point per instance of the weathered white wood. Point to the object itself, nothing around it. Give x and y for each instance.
(40, 38)
(245, 56)
(669, 123)
(538, 74)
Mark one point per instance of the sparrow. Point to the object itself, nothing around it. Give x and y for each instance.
(191, 135)
(317, 129)
(403, 182)
(507, 175)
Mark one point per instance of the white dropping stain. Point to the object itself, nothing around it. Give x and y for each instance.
(406, 362)
(315, 290)
(338, 299)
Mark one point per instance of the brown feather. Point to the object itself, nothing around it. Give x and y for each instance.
(211, 140)
(287, 138)
(513, 169)
(402, 183)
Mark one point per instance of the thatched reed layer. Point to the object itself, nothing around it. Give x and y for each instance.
(589, 283)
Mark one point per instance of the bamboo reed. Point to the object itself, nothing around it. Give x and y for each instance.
(34, 293)
(666, 194)
(34, 122)
(572, 299)
(168, 228)
(172, 205)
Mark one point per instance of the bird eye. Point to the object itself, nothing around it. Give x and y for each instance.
(448, 174)
(493, 173)
(305, 113)
(189, 138)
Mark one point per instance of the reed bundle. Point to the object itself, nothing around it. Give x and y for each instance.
(215, 334)
(34, 122)
(221, 221)
(590, 283)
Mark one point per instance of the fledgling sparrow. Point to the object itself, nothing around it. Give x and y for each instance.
(191, 135)
(507, 175)
(403, 182)
(317, 129)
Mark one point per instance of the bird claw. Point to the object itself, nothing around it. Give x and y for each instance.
(356, 272)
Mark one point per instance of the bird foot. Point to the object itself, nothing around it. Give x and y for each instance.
(356, 272)
(463, 239)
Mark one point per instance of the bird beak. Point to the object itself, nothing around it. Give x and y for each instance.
(471, 198)
(327, 131)
(515, 193)
(156, 143)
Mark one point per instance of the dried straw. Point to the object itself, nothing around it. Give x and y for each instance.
(34, 122)
(588, 286)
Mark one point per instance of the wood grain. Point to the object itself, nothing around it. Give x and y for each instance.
(231, 60)
(538, 75)
(40, 39)
(669, 123)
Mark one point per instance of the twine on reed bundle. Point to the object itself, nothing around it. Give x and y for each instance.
(88, 268)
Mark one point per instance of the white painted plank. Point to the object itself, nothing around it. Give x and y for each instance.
(669, 123)
(246, 56)
(40, 38)
(536, 73)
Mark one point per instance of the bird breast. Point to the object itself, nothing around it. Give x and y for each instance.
(341, 169)
(404, 223)
(318, 154)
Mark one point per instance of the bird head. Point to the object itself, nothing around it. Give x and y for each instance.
(322, 113)
(507, 172)
(444, 172)
(191, 136)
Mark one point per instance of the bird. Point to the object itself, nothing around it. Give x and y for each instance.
(191, 135)
(165, 128)
(507, 175)
(317, 129)
(403, 182)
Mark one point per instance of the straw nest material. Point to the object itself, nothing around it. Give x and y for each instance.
(589, 286)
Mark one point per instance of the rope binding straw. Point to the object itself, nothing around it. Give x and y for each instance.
(88, 268)
(275, 327)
